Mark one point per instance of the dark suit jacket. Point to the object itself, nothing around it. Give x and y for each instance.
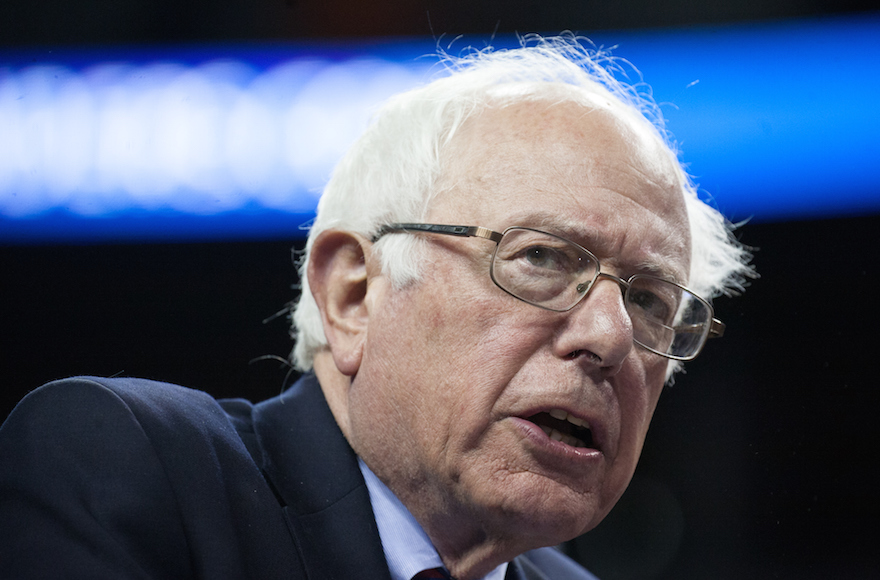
(128, 478)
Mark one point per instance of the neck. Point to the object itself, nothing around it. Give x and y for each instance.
(469, 544)
(468, 548)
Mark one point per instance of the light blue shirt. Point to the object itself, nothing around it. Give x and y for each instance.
(407, 547)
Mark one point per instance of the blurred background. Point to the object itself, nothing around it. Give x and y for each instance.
(159, 162)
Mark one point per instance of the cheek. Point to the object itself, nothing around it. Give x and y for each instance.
(421, 361)
(639, 389)
(472, 329)
(459, 357)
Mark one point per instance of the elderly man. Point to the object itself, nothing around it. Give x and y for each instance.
(503, 273)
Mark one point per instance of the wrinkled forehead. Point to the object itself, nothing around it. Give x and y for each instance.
(570, 130)
(576, 106)
(586, 162)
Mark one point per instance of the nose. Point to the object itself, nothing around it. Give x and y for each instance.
(599, 325)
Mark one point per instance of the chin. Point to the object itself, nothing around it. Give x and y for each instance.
(550, 521)
(542, 532)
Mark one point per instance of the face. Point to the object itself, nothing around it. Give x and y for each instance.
(459, 382)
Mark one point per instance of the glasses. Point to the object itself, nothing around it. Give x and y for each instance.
(553, 273)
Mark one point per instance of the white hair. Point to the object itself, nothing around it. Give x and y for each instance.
(389, 174)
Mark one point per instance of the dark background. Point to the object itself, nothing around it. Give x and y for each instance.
(760, 459)
(123, 21)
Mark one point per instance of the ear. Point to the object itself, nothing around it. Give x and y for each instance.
(337, 272)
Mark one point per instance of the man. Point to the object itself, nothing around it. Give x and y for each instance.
(503, 273)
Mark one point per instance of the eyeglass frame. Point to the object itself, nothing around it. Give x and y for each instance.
(716, 327)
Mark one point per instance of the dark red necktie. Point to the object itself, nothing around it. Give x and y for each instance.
(433, 573)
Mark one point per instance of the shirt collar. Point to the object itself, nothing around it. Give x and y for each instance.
(407, 547)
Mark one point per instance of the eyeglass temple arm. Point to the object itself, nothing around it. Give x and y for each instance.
(716, 328)
(461, 231)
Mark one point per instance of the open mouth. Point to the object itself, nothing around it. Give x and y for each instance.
(561, 426)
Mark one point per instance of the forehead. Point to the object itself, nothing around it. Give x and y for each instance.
(584, 172)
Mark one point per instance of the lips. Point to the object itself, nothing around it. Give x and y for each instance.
(560, 425)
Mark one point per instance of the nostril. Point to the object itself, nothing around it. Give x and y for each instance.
(595, 358)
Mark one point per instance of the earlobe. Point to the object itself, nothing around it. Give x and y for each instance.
(337, 274)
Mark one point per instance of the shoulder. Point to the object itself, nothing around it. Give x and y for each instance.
(550, 563)
(81, 393)
(148, 475)
(102, 424)
(126, 416)
(138, 394)
(86, 454)
(99, 405)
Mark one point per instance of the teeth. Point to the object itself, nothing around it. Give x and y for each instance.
(567, 439)
(578, 422)
(564, 416)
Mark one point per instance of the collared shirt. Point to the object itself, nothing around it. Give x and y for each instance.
(408, 549)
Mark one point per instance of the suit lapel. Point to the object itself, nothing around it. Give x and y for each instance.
(316, 477)
(522, 569)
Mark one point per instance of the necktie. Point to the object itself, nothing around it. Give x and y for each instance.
(433, 573)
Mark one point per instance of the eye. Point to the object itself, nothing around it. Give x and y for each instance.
(549, 259)
(546, 258)
(651, 304)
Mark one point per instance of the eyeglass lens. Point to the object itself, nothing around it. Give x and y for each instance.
(554, 273)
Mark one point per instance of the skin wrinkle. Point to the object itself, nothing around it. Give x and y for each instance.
(588, 236)
(455, 350)
(653, 261)
(599, 166)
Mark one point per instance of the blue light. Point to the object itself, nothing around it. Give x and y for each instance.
(775, 122)
(783, 121)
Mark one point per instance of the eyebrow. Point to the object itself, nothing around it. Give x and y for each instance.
(592, 239)
(660, 271)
